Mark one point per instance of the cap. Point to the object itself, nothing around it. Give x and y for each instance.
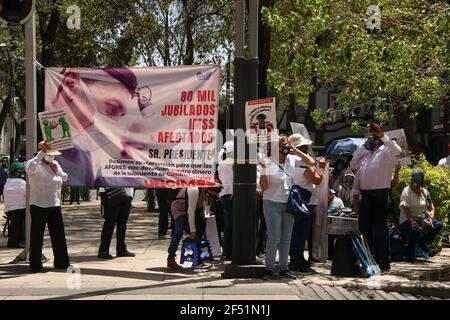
(349, 172)
(331, 191)
(16, 166)
(229, 146)
(50, 153)
(298, 140)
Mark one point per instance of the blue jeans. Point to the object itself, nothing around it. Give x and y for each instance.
(373, 225)
(176, 236)
(279, 231)
(300, 233)
(227, 224)
(418, 237)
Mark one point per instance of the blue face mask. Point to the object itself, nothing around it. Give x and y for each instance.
(369, 145)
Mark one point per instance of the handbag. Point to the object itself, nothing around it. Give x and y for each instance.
(423, 221)
(298, 200)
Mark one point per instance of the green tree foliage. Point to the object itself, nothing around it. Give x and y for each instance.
(326, 42)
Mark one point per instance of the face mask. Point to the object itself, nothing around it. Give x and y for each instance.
(417, 182)
(49, 158)
(285, 151)
(369, 145)
(116, 129)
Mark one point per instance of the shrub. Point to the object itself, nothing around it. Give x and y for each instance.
(437, 182)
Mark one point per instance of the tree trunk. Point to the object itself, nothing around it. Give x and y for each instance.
(189, 52)
(4, 112)
(309, 122)
(264, 35)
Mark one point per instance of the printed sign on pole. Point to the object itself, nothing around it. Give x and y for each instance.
(260, 119)
(55, 128)
(400, 137)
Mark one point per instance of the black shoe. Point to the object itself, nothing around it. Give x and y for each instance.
(104, 255)
(287, 274)
(126, 253)
(268, 275)
(304, 270)
(385, 267)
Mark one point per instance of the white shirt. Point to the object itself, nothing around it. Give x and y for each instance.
(335, 204)
(280, 180)
(45, 185)
(417, 205)
(225, 170)
(298, 165)
(14, 193)
(376, 168)
(445, 162)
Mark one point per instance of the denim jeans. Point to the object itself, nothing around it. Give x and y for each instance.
(300, 233)
(227, 224)
(176, 237)
(418, 237)
(373, 225)
(279, 231)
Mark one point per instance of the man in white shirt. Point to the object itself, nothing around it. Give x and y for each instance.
(445, 162)
(334, 203)
(372, 183)
(15, 203)
(46, 177)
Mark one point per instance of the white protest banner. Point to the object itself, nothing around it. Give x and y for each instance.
(138, 127)
(319, 238)
(400, 137)
(55, 129)
(260, 119)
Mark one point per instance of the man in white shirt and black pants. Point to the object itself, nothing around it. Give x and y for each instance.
(46, 178)
(375, 162)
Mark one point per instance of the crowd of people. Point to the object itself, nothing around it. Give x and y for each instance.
(364, 184)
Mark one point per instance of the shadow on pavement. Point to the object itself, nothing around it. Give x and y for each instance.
(124, 290)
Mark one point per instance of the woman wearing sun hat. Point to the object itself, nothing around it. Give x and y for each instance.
(46, 177)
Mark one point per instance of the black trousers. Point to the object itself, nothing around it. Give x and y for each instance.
(16, 230)
(113, 215)
(39, 218)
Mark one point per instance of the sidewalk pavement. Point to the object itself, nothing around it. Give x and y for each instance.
(145, 276)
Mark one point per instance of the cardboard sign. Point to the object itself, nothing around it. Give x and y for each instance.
(55, 128)
(399, 137)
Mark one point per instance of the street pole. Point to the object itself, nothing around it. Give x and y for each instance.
(12, 88)
(243, 263)
(31, 123)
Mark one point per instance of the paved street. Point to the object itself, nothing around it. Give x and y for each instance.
(145, 276)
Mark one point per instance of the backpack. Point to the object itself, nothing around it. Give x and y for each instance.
(179, 202)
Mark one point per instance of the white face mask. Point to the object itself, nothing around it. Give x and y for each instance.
(108, 139)
(49, 158)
